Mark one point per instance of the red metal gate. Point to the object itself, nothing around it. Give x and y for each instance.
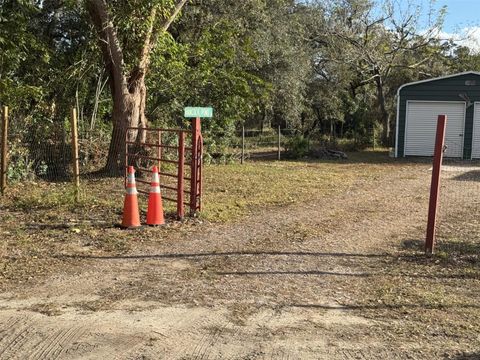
(177, 163)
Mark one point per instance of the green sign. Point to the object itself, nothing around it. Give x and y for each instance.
(198, 112)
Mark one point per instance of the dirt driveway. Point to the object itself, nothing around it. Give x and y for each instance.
(338, 277)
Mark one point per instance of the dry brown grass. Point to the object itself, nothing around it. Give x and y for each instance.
(41, 219)
(276, 235)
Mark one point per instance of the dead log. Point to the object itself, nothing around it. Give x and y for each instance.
(324, 153)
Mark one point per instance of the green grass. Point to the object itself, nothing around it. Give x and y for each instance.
(234, 190)
(230, 191)
(42, 218)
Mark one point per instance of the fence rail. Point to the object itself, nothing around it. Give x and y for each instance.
(245, 144)
(166, 148)
(62, 154)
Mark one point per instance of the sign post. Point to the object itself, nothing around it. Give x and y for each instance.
(196, 113)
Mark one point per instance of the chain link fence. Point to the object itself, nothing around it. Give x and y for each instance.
(453, 225)
(44, 151)
(52, 166)
(248, 145)
(458, 224)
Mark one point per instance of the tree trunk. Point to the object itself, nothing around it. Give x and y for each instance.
(384, 115)
(128, 90)
(128, 111)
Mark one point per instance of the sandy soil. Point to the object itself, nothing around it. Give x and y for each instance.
(299, 282)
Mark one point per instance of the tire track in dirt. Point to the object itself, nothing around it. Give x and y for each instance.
(74, 337)
(209, 330)
(56, 343)
(208, 345)
(78, 349)
(280, 354)
(15, 336)
(188, 338)
(375, 354)
(391, 352)
(212, 335)
(133, 350)
(10, 323)
(26, 337)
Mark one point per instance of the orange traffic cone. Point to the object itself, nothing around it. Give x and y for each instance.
(131, 214)
(155, 206)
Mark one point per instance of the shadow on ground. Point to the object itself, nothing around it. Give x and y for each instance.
(473, 175)
(387, 262)
(445, 250)
(387, 306)
(228, 253)
(471, 356)
(357, 157)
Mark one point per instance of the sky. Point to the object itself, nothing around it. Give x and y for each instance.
(461, 14)
(461, 21)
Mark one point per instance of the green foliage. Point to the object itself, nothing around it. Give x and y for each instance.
(132, 20)
(21, 165)
(18, 66)
(297, 147)
(309, 66)
(464, 59)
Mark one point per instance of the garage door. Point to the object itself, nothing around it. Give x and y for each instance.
(476, 133)
(422, 119)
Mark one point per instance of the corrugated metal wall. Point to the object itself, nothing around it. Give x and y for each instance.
(422, 124)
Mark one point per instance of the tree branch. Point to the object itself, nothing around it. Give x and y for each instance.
(413, 66)
(167, 22)
(147, 44)
(151, 39)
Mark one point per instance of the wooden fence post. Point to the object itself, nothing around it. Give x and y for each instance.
(279, 143)
(435, 186)
(75, 163)
(4, 150)
(374, 140)
(243, 145)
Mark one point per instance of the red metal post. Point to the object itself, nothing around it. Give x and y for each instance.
(194, 166)
(181, 162)
(200, 165)
(435, 186)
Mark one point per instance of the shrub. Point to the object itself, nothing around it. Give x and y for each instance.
(21, 165)
(298, 147)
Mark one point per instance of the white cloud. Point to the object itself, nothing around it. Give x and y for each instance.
(468, 36)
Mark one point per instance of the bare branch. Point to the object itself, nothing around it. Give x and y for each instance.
(413, 66)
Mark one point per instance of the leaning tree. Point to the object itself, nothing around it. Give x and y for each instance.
(128, 32)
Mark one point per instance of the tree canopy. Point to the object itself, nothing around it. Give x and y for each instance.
(319, 67)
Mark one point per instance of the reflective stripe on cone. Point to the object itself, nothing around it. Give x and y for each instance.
(155, 205)
(131, 213)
